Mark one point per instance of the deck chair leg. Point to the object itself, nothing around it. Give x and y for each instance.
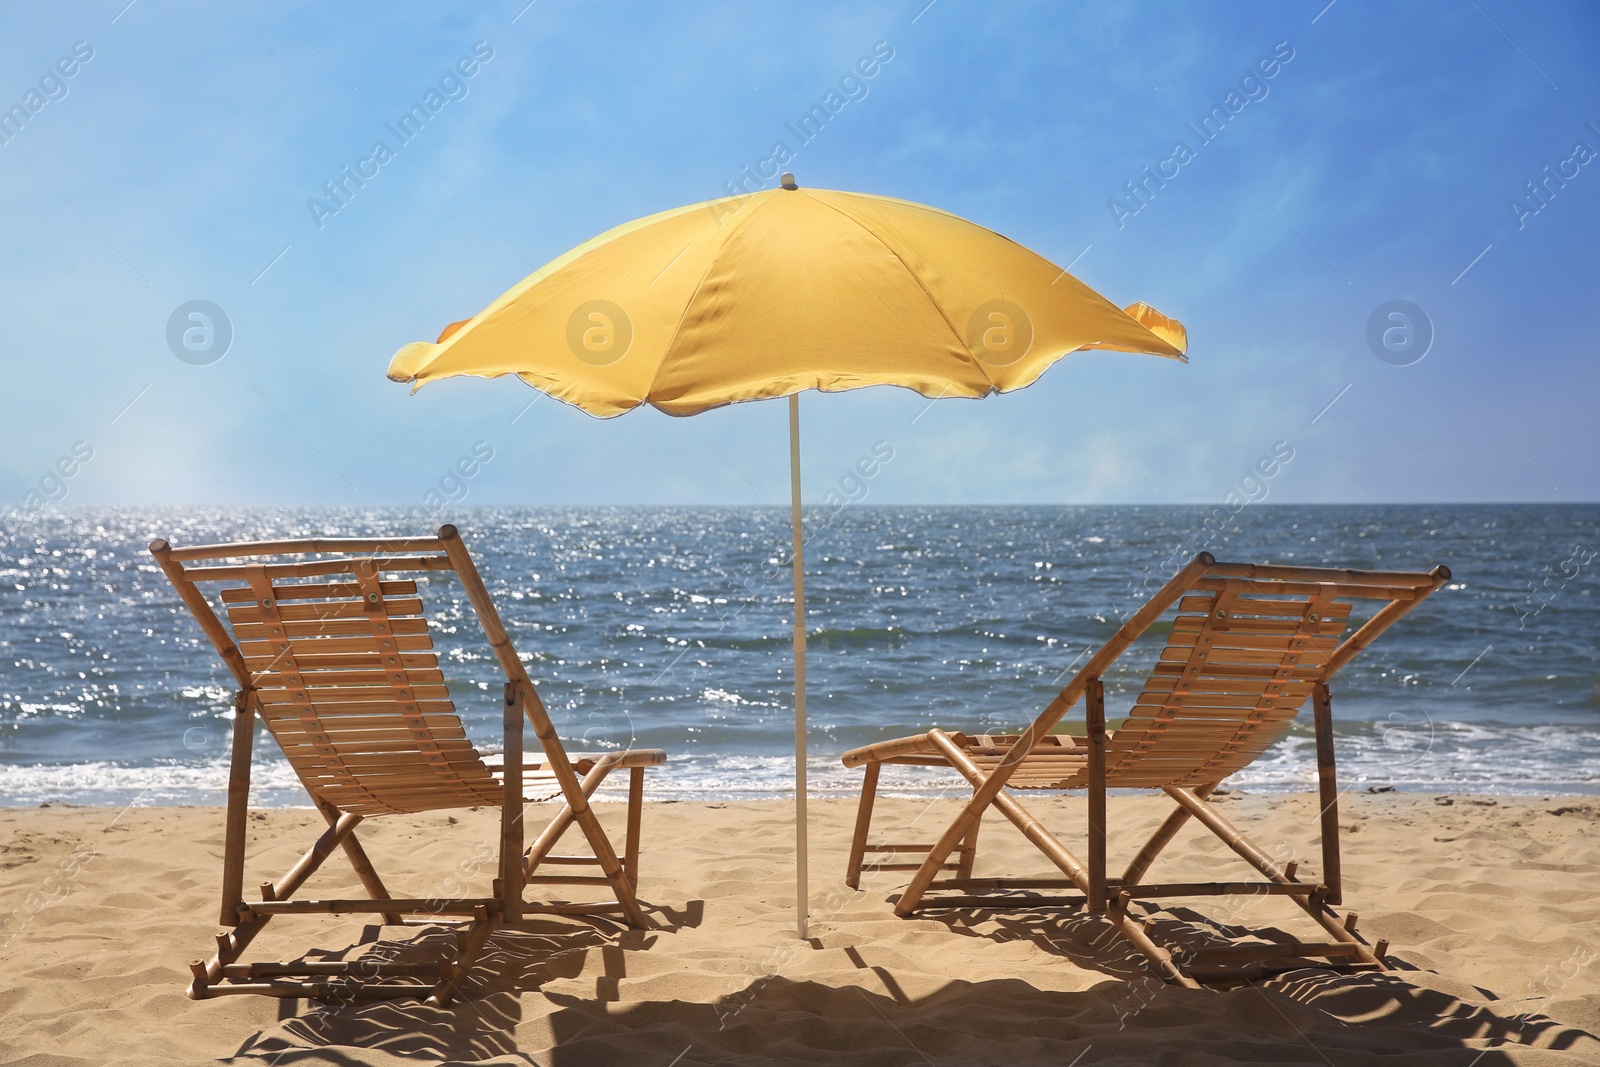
(858, 843)
(1165, 965)
(238, 820)
(510, 888)
(232, 942)
(469, 943)
(363, 866)
(557, 827)
(1327, 794)
(630, 846)
(528, 698)
(578, 801)
(985, 791)
(1140, 864)
(1095, 711)
(969, 850)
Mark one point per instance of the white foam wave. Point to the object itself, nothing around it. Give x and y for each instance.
(1441, 757)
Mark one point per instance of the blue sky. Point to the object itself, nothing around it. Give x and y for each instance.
(1377, 164)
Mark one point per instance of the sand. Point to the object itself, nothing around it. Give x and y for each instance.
(1490, 904)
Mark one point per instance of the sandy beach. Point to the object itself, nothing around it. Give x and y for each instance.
(1488, 903)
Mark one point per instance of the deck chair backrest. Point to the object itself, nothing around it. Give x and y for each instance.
(336, 650)
(1248, 645)
(1239, 664)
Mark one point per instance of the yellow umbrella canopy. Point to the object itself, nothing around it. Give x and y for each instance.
(775, 292)
(779, 291)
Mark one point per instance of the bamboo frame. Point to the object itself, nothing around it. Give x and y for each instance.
(630, 848)
(1095, 713)
(237, 827)
(985, 793)
(858, 842)
(511, 807)
(405, 779)
(1211, 727)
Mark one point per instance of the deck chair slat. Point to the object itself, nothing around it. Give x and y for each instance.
(357, 740)
(319, 591)
(269, 660)
(400, 797)
(393, 790)
(378, 709)
(1185, 737)
(345, 677)
(372, 646)
(1215, 683)
(1264, 607)
(412, 802)
(313, 749)
(1186, 624)
(1246, 608)
(316, 611)
(327, 695)
(1196, 698)
(393, 786)
(370, 740)
(289, 726)
(1225, 638)
(316, 629)
(1208, 701)
(289, 719)
(1219, 670)
(1247, 657)
(1144, 713)
(1257, 657)
(1187, 756)
(413, 759)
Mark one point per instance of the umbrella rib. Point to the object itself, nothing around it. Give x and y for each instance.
(937, 307)
(677, 327)
(1097, 295)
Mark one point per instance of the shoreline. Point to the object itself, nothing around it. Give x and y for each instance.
(1448, 758)
(1487, 902)
(613, 794)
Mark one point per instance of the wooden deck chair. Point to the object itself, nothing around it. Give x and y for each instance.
(330, 650)
(1248, 646)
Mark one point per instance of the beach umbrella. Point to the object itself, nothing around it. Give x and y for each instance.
(771, 293)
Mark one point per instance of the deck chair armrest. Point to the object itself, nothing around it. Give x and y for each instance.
(583, 761)
(888, 751)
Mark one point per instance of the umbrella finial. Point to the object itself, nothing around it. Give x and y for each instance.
(787, 180)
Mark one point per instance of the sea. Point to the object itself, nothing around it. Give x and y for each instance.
(670, 627)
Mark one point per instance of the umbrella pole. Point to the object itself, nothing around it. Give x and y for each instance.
(802, 876)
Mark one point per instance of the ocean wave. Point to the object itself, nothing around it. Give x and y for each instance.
(643, 626)
(1447, 758)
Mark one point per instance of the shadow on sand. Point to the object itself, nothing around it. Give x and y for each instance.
(1307, 1016)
